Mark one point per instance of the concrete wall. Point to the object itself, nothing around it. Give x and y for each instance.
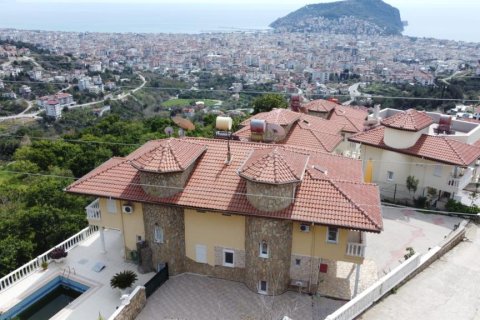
(213, 230)
(275, 269)
(131, 225)
(401, 139)
(269, 197)
(172, 250)
(315, 241)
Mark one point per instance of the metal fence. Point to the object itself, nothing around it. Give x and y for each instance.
(156, 282)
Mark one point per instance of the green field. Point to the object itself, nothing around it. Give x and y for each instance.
(187, 102)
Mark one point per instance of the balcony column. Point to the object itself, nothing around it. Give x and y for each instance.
(102, 239)
(357, 279)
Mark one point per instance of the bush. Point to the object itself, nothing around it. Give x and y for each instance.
(123, 280)
(57, 253)
(420, 202)
(455, 206)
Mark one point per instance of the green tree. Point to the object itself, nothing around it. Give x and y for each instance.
(268, 102)
(412, 184)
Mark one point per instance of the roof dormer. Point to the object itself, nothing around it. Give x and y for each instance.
(405, 128)
(272, 175)
(166, 165)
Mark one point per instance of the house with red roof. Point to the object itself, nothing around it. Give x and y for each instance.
(275, 217)
(441, 153)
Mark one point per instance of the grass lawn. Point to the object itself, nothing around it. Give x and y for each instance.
(187, 102)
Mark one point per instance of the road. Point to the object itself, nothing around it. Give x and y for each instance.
(121, 96)
(353, 91)
(446, 290)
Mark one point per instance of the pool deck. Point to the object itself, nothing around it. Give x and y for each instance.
(100, 298)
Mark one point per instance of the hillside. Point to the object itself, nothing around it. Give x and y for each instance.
(344, 17)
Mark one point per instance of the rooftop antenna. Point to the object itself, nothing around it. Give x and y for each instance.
(225, 124)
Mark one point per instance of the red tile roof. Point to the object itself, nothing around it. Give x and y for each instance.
(320, 105)
(324, 196)
(281, 117)
(435, 148)
(352, 119)
(169, 155)
(274, 166)
(410, 120)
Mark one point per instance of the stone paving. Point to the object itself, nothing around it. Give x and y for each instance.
(190, 296)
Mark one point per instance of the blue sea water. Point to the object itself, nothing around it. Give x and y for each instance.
(454, 22)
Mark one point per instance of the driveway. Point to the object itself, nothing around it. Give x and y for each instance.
(404, 228)
(446, 290)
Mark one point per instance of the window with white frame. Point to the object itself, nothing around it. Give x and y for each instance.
(158, 234)
(332, 234)
(390, 175)
(228, 258)
(263, 249)
(262, 287)
(111, 205)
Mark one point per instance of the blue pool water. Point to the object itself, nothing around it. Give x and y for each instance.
(46, 301)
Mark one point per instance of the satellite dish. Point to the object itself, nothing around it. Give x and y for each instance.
(183, 123)
(275, 132)
(168, 131)
(181, 133)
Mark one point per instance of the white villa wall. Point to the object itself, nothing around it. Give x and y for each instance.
(401, 139)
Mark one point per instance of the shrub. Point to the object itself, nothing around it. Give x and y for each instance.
(420, 202)
(57, 253)
(455, 206)
(123, 280)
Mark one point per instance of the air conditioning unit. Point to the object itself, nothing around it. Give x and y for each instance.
(304, 228)
(127, 209)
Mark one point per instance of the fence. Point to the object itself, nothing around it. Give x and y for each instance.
(160, 278)
(400, 274)
(36, 263)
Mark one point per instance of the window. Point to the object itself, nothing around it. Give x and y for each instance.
(262, 287)
(111, 205)
(228, 258)
(297, 262)
(390, 175)
(201, 253)
(264, 249)
(158, 234)
(332, 235)
(437, 170)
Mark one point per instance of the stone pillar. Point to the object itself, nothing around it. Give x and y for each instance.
(102, 240)
(276, 268)
(172, 250)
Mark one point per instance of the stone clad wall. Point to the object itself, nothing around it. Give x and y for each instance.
(172, 251)
(164, 185)
(219, 271)
(276, 268)
(138, 299)
(307, 270)
(269, 197)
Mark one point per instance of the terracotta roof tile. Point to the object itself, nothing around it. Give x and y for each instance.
(320, 105)
(352, 119)
(281, 117)
(410, 120)
(321, 197)
(169, 155)
(435, 148)
(274, 166)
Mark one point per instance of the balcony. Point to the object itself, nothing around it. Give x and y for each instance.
(455, 184)
(93, 210)
(356, 244)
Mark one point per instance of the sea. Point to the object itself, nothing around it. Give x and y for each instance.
(424, 20)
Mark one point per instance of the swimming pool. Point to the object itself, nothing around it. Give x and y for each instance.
(46, 301)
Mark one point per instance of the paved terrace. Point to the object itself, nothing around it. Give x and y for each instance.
(100, 298)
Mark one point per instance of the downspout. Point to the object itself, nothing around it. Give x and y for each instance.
(123, 234)
(312, 252)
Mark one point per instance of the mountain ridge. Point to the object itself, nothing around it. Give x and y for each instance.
(369, 16)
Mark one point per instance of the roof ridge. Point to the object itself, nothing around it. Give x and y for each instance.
(170, 149)
(354, 204)
(454, 150)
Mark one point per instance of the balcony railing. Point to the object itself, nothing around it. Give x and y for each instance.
(93, 210)
(459, 183)
(356, 247)
(35, 264)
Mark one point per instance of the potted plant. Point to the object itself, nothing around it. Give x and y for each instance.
(44, 265)
(58, 254)
(123, 280)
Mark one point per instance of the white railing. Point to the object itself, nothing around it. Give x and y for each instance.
(460, 183)
(93, 210)
(365, 299)
(355, 249)
(36, 263)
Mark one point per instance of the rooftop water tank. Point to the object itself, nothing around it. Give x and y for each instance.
(258, 126)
